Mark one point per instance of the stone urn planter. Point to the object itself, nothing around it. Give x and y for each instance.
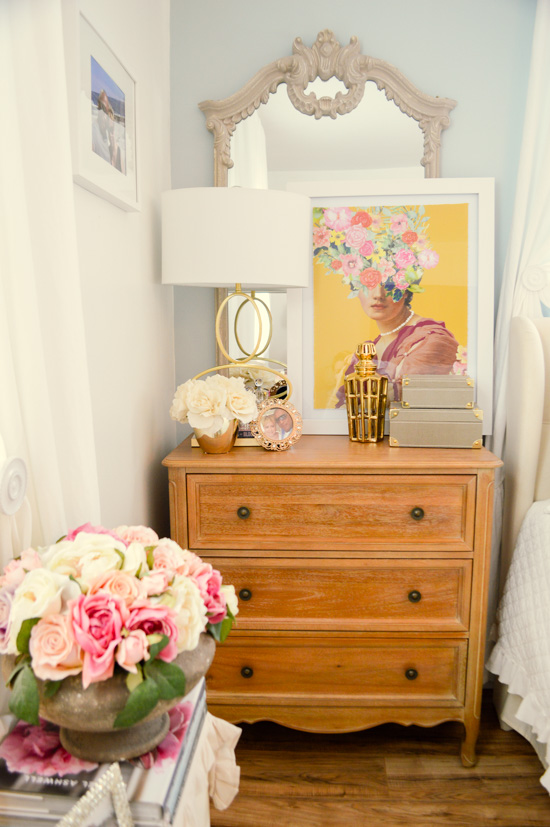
(86, 716)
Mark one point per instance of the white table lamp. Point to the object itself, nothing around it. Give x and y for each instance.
(246, 239)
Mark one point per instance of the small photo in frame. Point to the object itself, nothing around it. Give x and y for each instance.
(278, 425)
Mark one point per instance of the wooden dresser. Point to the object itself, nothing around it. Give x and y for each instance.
(362, 579)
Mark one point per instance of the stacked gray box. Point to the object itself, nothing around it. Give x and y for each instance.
(436, 412)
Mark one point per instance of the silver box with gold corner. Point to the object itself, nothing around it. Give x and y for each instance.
(436, 391)
(435, 427)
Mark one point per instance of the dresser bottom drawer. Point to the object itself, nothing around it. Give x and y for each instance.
(336, 668)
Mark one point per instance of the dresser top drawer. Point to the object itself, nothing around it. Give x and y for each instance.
(247, 511)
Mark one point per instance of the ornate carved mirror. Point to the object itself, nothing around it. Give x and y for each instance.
(366, 120)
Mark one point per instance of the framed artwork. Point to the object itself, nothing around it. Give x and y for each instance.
(103, 117)
(277, 426)
(406, 264)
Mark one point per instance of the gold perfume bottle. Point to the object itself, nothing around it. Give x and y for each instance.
(366, 396)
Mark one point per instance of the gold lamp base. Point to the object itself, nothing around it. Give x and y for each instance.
(250, 359)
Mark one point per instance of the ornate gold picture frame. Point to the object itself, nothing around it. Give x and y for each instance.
(278, 425)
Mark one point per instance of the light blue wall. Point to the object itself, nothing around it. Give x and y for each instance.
(475, 51)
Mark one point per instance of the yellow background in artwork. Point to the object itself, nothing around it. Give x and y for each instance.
(340, 323)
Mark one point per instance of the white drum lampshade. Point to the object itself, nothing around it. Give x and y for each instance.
(221, 237)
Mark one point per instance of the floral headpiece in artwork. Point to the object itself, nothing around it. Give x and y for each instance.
(374, 245)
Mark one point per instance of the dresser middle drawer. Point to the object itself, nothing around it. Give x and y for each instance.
(368, 595)
(314, 511)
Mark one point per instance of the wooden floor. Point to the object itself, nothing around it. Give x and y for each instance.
(389, 775)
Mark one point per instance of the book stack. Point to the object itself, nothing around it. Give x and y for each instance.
(436, 412)
(153, 794)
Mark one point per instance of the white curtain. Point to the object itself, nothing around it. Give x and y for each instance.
(526, 279)
(45, 403)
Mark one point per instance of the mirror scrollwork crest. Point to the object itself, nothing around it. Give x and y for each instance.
(326, 59)
(359, 86)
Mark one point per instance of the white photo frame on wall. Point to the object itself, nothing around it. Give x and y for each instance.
(478, 195)
(102, 110)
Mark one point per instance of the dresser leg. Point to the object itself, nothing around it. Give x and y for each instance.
(468, 748)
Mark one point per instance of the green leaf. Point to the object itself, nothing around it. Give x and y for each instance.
(24, 635)
(133, 679)
(168, 677)
(219, 631)
(139, 704)
(17, 668)
(158, 645)
(51, 688)
(25, 700)
(150, 558)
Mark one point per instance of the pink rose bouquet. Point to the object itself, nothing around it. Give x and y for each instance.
(101, 601)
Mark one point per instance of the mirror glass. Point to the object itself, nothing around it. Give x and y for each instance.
(278, 144)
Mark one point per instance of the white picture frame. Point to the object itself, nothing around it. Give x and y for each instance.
(478, 193)
(103, 147)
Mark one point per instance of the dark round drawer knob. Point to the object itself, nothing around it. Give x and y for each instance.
(247, 671)
(411, 674)
(245, 594)
(414, 596)
(417, 513)
(243, 512)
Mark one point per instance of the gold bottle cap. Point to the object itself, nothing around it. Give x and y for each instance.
(366, 353)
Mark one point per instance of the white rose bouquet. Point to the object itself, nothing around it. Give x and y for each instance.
(209, 404)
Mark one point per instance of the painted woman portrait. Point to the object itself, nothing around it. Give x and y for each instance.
(381, 255)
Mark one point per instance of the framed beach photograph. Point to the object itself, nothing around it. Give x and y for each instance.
(405, 264)
(103, 117)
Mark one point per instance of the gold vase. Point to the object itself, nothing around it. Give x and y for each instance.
(222, 442)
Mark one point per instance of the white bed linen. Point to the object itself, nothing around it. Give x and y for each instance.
(521, 655)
